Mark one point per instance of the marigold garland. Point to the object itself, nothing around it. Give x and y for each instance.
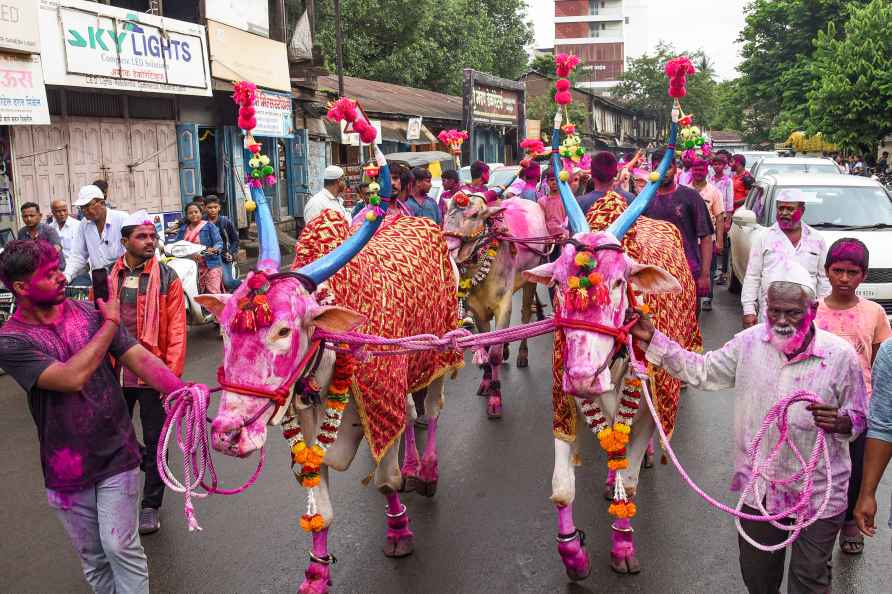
(306, 460)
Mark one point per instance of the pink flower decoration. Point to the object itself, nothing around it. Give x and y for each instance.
(244, 93)
(563, 98)
(533, 146)
(564, 64)
(256, 281)
(562, 84)
(270, 180)
(677, 69)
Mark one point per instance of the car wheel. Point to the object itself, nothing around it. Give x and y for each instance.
(734, 286)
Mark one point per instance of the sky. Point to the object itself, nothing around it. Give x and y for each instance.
(718, 24)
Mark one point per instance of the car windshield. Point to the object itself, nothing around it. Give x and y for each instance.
(776, 168)
(837, 207)
(502, 177)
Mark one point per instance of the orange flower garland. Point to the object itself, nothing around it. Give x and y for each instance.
(306, 460)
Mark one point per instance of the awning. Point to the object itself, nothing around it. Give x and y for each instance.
(395, 131)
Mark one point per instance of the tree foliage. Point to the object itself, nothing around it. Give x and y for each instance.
(427, 43)
(778, 46)
(643, 86)
(850, 100)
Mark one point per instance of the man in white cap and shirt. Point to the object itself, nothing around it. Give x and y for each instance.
(788, 238)
(765, 364)
(330, 196)
(98, 240)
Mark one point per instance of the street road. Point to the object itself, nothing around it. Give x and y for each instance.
(490, 527)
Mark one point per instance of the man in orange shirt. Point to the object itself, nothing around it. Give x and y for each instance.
(742, 179)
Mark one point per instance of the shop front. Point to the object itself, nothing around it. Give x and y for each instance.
(493, 114)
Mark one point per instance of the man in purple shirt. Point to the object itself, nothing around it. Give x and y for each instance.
(683, 207)
(58, 351)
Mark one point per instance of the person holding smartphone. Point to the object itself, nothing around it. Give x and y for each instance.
(57, 350)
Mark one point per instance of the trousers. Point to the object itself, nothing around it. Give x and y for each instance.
(102, 524)
(151, 415)
(809, 574)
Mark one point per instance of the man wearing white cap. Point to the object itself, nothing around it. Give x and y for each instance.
(153, 311)
(330, 196)
(765, 364)
(98, 240)
(788, 238)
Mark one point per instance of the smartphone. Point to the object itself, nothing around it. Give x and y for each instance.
(99, 277)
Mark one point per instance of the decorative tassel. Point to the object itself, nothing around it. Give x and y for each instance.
(263, 315)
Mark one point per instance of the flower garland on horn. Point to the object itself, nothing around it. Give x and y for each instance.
(244, 94)
(306, 460)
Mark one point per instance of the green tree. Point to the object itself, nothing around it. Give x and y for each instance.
(428, 46)
(778, 45)
(851, 98)
(644, 86)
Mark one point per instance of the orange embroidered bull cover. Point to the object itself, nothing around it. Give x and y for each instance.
(649, 242)
(403, 283)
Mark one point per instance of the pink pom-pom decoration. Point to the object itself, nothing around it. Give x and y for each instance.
(563, 98)
(562, 84)
(347, 108)
(533, 146)
(360, 126)
(254, 183)
(244, 93)
(369, 135)
(677, 69)
(334, 115)
(254, 148)
(247, 111)
(270, 180)
(564, 64)
(247, 123)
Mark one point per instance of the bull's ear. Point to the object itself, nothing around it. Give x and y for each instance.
(542, 274)
(653, 279)
(214, 303)
(332, 318)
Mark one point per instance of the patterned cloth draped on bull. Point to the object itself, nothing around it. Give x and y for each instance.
(648, 242)
(375, 281)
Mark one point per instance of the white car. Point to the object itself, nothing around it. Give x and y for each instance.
(781, 165)
(839, 206)
(753, 157)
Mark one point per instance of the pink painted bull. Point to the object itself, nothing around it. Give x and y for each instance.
(491, 270)
(271, 352)
(595, 281)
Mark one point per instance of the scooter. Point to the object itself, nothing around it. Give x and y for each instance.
(179, 257)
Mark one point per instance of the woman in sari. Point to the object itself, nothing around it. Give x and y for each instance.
(210, 264)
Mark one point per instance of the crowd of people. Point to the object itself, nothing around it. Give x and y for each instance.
(805, 327)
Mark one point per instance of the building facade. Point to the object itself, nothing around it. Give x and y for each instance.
(605, 34)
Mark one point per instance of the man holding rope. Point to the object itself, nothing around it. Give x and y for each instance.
(767, 363)
(58, 352)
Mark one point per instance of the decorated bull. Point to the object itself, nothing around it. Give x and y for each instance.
(492, 245)
(597, 283)
(391, 278)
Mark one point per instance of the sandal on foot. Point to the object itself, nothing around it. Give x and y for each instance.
(851, 544)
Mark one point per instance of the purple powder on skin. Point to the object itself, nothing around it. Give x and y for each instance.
(847, 251)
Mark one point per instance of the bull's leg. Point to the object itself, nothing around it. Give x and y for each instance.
(570, 540)
(623, 557)
(486, 383)
(410, 459)
(400, 540)
(496, 354)
(649, 454)
(429, 475)
(526, 313)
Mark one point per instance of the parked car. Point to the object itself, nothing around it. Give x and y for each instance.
(779, 165)
(464, 174)
(839, 206)
(753, 157)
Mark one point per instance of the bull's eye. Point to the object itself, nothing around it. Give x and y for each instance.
(284, 331)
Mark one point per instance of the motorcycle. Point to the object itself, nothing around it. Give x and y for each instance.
(179, 256)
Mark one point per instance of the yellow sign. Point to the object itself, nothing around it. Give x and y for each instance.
(434, 168)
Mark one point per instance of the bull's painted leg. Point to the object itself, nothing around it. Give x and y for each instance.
(494, 403)
(649, 454)
(317, 577)
(428, 475)
(570, 540)
(410, 461)
(526, 313)
(400, 539)
(486, 382)
(622, 551)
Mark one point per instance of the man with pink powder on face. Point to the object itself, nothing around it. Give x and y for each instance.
(789, 238)
(58, 352)
(765, 364)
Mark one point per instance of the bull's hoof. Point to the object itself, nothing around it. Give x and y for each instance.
(577, 575)
(575, 557)
(410, 483)
(494, 407)
(399, 546)
(522, 360)
(317, 579)
(426, 488)
(506, 352)
(483, 390)
(625, 565)
(648, 461)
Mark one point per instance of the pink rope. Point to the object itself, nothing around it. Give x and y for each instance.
(186, 414)
(776, 415)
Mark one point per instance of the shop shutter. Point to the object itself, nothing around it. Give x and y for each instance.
(298, 172)
(190, 166)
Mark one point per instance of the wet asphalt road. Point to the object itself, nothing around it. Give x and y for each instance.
(490, 527)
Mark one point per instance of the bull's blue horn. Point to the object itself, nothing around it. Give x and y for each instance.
(326, 266)
(270, 256)
(625, 221)
(575, 216)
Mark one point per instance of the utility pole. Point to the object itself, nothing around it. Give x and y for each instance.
(340, 48)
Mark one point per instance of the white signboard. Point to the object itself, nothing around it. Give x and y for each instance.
(413, 129)
(248, 15)
(274, 116)
(18, 26)
(22, 94)
(87, 44)
(352, 138)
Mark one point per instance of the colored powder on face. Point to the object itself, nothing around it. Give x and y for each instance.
(848, 251)
(45, 295)
(67, 464)
(793, 221)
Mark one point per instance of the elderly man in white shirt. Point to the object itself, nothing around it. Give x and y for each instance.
(97, 243)
(765, 364)
(330, 196)
(65, 225)
(789, 238)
